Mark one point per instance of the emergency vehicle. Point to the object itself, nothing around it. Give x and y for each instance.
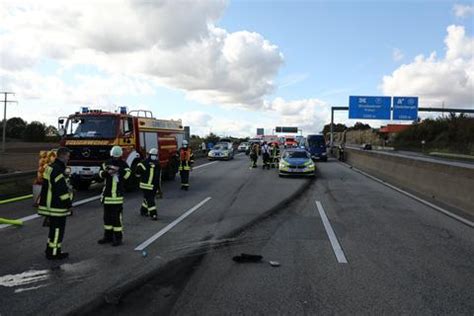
(90, 134)
(290, 142)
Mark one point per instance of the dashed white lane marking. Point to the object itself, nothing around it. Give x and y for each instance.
(153, 238)
(436, 207)
(205, 165)
(336, 247)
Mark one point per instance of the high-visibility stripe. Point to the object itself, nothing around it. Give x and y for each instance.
(141, 166)
(146, 186)
(55, 241)
(118, 229)
(65, 196)
(185, 184)
(58, 177)
(113, 202)
(152, 173)
(108, 227)
(113, 190)
(152, 208)
(128, 172)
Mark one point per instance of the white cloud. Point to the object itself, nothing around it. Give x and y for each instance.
(436, 80)
(462, 11)
(175, 43)
(308, 114)
(397, 54)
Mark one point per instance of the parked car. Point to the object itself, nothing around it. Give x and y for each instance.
(243, 147)
(296, 162)
(221, 151)
(366, 146)
(316, 146)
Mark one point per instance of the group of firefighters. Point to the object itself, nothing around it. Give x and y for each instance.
(270, 154)
(55, 200)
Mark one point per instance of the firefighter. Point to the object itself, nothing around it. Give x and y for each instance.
(149, 172)
(115, 171)
(275, 155)
(266, 156)
(254, 153)
(341, 151)
(55, 203)
(185, 162)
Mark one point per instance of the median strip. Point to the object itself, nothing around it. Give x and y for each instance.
(153, 238)
(336, 247)
(433, 206)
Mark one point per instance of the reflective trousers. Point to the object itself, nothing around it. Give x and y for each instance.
(149, 203)
(184, 178)
(113, 227)
(57, 225)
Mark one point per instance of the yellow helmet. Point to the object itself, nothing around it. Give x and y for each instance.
(116, 152)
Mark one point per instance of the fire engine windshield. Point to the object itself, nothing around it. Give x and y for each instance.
(92, 127)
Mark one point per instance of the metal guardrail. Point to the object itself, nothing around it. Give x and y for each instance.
(11, 177)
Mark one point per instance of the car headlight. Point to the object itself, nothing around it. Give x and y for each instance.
(283, 164)
(308, 163)
(324, 154)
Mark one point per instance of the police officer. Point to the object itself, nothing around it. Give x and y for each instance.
(55, 203)
(115, 171)
(266, 156)
(149, 172)
(185, 160)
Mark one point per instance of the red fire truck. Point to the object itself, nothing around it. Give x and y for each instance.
(90, 134)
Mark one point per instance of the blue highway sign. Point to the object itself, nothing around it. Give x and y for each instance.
(405, 108)
(369, 107)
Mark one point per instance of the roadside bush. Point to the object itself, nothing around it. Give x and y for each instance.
(35, 132)
(449, 134)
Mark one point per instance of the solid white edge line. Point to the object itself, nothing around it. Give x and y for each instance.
(427, 203)
(80, 202)
(205, 165)
(336, 247)
(168, 227)
(35, 216)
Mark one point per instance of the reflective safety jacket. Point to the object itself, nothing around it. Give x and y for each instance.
(114, 184)
(275, 152)
(149, 173)
(55, 198)
(185, 158)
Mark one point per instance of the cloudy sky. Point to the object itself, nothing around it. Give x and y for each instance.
(232, 66)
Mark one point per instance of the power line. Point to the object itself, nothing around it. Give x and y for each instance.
(5, 102)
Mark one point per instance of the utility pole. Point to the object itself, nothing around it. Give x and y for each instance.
(5, 102)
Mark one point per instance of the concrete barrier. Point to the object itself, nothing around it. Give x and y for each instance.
(448, 183)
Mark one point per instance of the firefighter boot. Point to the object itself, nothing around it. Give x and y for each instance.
(117, 239)
(108, 238)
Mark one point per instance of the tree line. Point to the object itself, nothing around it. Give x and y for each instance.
(35, 131)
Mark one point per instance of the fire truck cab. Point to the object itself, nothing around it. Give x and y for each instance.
(90, 134)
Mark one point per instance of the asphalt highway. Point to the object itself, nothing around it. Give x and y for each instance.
(344, 243)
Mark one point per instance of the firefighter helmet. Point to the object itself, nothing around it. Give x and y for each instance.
(116, 152)
(153, 152)
(185, 143)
